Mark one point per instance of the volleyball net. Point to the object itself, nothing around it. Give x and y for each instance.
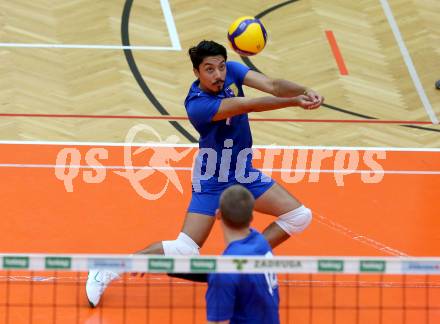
(50, 288)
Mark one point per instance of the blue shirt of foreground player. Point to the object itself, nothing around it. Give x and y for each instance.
(202, 107)
(244, 298)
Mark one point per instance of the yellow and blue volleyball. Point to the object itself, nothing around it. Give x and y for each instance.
(247, 36)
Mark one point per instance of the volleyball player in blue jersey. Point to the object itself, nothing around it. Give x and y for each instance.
(235, 297)
(217, 108)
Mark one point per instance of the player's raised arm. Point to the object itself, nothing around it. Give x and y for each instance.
(230, 107)
(280, 87)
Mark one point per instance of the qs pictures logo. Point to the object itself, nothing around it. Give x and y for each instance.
(162, 154)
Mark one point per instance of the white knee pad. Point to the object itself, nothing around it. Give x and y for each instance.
(295, 221)
(184, 245)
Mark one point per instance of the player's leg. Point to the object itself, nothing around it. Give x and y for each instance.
(271, 198)
(196, 228)
(195, 231)
(293, 217)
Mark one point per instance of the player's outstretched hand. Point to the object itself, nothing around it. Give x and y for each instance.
(315, 97)
(306, 102)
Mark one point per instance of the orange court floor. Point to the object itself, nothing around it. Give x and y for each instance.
(365, 202)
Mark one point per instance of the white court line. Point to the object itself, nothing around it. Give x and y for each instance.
(123, 167)
(408, 61)
(161, 144)
(118, 47)
(172, 31)
(347, 148)
(356, 236)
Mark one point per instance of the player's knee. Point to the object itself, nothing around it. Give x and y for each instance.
(183, 245)
(295, 221)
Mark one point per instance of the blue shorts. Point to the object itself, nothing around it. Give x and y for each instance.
(207, 201)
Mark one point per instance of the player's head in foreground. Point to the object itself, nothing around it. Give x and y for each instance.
(236, 207)
(209, 65)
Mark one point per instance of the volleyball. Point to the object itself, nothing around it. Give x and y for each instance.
(247, 36)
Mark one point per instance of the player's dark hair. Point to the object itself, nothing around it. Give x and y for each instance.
(204, 49)
(236, 206)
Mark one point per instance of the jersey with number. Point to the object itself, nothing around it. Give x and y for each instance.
(232, 134)
(244, 298)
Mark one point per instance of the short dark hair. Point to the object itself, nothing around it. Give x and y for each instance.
(236, 206)
(204, 49)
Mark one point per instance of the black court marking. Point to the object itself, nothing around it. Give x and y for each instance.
(138, 76)
(252, 66)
